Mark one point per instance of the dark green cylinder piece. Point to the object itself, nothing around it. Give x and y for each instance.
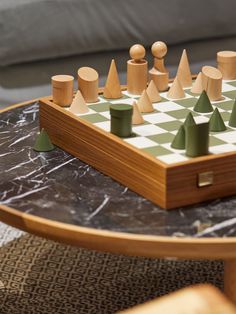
(121, 120)
(197, 140)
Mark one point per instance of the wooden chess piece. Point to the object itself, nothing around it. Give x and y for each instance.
(137, 117)
(78, 105)
(159, 73)
(227, 64)
(112, 89)
(137, 70)
(176, 90)
(197, 87)
(212, 82)
(88, 84)
(183, 72)
(62, 89)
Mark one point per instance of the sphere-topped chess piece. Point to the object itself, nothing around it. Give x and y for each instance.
(159, 73)
(137, 70)
(137, 52)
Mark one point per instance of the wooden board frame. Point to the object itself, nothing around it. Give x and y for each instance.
(169, 186)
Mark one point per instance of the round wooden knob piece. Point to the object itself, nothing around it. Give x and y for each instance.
(137, 52)
(159, 49)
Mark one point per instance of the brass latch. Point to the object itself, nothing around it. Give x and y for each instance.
(205, 179)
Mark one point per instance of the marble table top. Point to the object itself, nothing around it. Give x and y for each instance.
(57, 186)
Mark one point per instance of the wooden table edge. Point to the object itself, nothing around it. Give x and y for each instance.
(121, 242)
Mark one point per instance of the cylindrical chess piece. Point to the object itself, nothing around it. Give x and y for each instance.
(88, 84)
(212, 82)
(227, 64)
(62, 90)
(158, 73)
(197, 139)
(137, 70)
(121, 119)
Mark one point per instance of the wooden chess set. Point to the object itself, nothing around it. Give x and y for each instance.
(172, 141)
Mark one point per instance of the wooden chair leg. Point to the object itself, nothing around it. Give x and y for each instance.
(230, 279)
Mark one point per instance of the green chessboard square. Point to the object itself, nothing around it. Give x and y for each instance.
(187, 103)
(162, 138)
(230, 94)
(94, 118)
(157, 151)
(110, 99)
(180, 114)
(232, 83)
(214, 141)
(100, 107)
(225, 116)
(170, 126)
(226, 105)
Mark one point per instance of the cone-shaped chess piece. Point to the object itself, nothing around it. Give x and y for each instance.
(144, 103)
(112, 88)
(179, 139)
(198, 85)
(137, 117)
(176, 90)
(232, 119)
(78, 105)
(152, 92)
(189, 120)
(216, 122)
(43, 142)
(203, 104)
(183, 72)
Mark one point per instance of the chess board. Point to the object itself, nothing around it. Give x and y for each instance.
(146, 162)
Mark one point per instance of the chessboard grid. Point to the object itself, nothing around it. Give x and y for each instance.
(156, 134)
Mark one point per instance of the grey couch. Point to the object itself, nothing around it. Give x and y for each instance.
(40, 38)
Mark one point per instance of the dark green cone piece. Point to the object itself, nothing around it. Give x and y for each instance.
(189, 120)
(179, 139)
(232, 119)
(203, 104)
(216, 122)
(43, 142)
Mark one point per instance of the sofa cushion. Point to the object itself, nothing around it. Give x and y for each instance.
(41, 29)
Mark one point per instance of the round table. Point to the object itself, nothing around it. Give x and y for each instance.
(59, 197)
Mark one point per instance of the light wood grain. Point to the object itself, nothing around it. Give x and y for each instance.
(200, 299)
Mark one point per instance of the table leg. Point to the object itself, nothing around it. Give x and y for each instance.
(230, 279)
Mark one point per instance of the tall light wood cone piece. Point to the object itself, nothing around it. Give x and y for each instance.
(152, 92)
(78, 104)
(176, 90)
(112, 88)
(137, 117)
(183, 72)
(198, 85)
(144, 103)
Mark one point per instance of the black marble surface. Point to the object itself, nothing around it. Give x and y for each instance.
(57, 186)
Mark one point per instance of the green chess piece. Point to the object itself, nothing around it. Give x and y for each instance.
(121, 119)
(216, 122)
(189, 120)
(179, 139)
(197, 139)
(203, 104)
(43, 142)
(232, 119)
